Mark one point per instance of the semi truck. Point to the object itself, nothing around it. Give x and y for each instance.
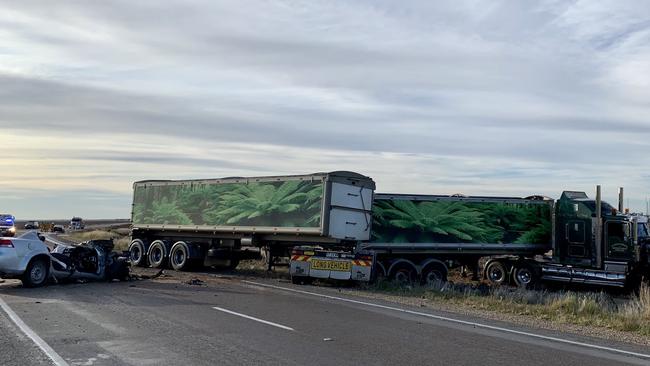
(334, 225)
(519, 240)
(218, 222)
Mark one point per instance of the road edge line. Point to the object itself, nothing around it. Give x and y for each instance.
(458, 321)
(49, 351)
(253, 318)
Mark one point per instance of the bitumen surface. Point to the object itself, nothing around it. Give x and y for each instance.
(232, 321)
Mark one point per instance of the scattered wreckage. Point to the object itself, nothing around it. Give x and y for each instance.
(29, 259)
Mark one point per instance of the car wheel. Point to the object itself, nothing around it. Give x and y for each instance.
(37, 273)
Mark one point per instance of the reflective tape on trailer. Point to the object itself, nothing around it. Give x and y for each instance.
(301, 258)
(362, 263)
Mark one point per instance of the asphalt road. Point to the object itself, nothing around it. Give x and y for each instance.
(229, 321)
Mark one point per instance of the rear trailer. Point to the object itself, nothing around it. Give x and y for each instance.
(213, 220)
(420, 237)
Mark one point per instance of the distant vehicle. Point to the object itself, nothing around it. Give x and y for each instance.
(58, 229)
(76, 223)
(28, 259)
(7, 225)
(32, 225)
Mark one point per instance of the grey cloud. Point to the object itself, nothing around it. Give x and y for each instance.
(519, 84)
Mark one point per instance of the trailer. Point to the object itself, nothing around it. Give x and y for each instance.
(218, 222)
(523, 241)
(420, 237)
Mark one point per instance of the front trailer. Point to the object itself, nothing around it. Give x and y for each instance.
(219, 222)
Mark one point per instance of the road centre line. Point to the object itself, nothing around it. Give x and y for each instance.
(457, 321)
(253, 318)
(49, 352)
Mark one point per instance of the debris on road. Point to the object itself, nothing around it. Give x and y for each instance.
(195, 282)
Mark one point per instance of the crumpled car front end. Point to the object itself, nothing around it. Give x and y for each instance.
(92, 260)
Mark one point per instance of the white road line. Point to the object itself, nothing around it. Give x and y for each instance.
(49, 352)
(458, 321)
(253, 318)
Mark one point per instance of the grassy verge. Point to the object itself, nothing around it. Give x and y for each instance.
(562, 307)
(120, 237)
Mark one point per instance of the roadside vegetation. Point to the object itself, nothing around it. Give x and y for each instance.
(120, 237)
(595, 309)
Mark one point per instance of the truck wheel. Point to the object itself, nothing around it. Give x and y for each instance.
(524, 276)
(434, 274)
(404, 273)
(179, 257)
(233, 263)
(37, 273)
(157, 254)
(301, 280)
(496, 273)
(137, 253)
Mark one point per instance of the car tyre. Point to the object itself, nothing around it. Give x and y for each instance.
(37, 273)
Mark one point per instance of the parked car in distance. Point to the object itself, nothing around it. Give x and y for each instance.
(7, 225)
(32, 225)
(58, 229)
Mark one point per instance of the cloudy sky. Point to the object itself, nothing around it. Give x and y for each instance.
(476, 97)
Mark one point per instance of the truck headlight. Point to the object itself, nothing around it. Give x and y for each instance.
(12, 229)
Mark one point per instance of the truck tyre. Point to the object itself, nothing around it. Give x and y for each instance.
(37, 273)
(137, 253)
(404, 273)
(524, 276)
(434, 274)
(179, 257)
(157, 254)
(496, 273)
(379, 273)
(301, 280)
(233, 263)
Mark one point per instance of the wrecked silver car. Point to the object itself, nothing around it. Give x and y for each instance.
(30, 260)
(93, 260)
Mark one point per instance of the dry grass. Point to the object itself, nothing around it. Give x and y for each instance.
(120, 237)
(562, 307)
